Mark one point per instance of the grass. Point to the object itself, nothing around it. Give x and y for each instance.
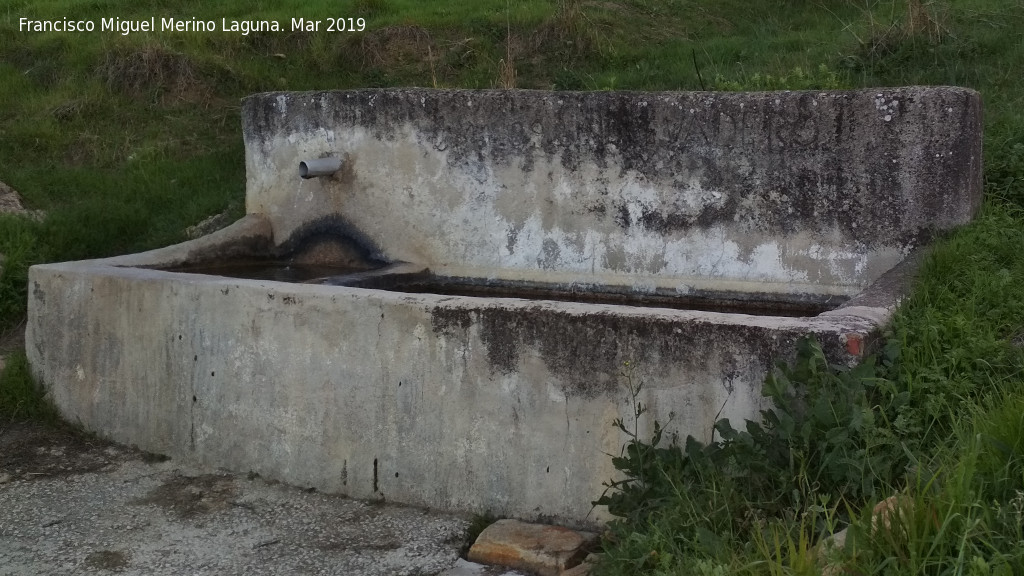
(125, 141)
(20, 398)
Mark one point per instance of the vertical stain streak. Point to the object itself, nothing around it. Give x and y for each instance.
(383, 367)
(192, 412)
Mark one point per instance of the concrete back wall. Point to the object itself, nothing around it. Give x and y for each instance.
(788, 192)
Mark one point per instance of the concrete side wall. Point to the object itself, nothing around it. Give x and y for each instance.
(458, 404)
(794, 192)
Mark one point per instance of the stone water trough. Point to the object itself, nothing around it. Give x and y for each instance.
(440, 312)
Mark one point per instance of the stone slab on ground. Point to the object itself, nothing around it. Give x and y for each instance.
(72, 504)
(467, 568)
(546, 550)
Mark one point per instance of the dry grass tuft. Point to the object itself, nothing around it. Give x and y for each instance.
(569, 32)
(507, 66)
(922, 21)
(153, 71)
(370, 8)
(70, 110)
(506, 74)
(412, 48)
(396, 46)
(83, 150)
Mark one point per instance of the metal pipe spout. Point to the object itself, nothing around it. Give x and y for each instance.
(319, 167)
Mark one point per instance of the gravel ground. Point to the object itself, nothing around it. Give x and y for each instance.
(72, 504)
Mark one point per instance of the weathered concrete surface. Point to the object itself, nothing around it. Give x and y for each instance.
(249, 237)
(71, 504)
(465, 404)
(540, 548)
(786, 192)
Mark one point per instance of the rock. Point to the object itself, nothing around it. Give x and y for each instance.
(10, 203)
(833, 570)
(545, 550)
(827, 547)
(465, 568)
(584, 568)
(208, 225)
(882, 517)
(895, 506)
(835, 541)
(581, 570)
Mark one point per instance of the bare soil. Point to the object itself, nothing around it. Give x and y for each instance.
(31, 451)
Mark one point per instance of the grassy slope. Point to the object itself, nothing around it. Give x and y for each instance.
(126, 140)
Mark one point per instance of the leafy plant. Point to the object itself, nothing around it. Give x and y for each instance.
(826, 446)
(829, 431)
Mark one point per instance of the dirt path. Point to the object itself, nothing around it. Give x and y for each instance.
(72, 504)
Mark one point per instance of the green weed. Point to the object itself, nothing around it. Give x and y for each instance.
(19, 249)
(20, 397)
(477, 524)
(824, 447)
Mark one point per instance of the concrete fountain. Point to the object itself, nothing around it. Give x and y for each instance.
(433, 293)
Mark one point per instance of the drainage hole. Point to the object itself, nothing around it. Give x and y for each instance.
(396, 474)
(548, 469)
(195, 358)
(213, 373)
(375, 475)
(179, 336)
(194, 399)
